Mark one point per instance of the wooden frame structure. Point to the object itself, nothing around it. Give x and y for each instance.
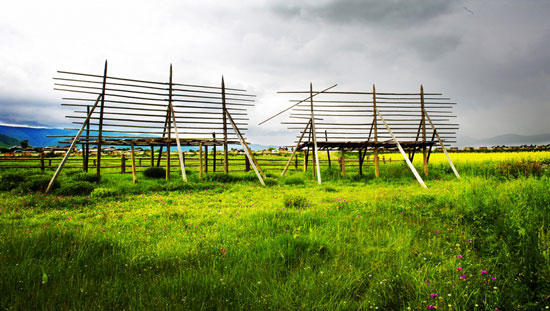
(373, 120)
(129, 112)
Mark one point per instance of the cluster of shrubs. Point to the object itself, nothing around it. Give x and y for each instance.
(76, 183)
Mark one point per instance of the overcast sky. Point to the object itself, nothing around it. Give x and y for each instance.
(492, 57)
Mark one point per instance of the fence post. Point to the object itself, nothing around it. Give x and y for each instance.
(42, 161)
(122, 163)
(296, 162)
(246, 164)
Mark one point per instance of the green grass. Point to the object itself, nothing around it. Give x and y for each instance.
(224, 242)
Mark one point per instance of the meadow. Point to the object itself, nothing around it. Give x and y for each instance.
(223, 242)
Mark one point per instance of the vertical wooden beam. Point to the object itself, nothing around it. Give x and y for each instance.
(343, 162)
(72, 145)
(178, 143)
(375, 122)
(402, 151)
(100, 130)
(315, 152)
(306, 152)
(134, 175)
(152, 155)
(123, 163)
(224, 117)
(214, 155)
(42, 160)
(87, 151)
(360, 160)
(246, 163)
(206, 158)
(200, 159)
(442, 146)
(328, 151)
(423, 120)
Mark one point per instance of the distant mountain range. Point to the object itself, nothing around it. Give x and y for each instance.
(37, 137)
(506, 140)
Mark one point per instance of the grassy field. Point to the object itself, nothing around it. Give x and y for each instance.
(226, 243)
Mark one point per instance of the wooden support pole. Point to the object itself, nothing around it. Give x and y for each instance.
(442, 146)
(152, 155)
(42, 160)
(375, 122)
(360, 160)
(247, 150)
(423, 120)
(122, 163)
(343, 162)
(200, 160)
(87, 151)
(214, 155)
(402, 151)
(295, 161)
(100, 130)
(328, 151)
(225, 147)
(246, 164)
(72, 145)
(206, 158)
(178, 143)
(315, 151)
(134, 175)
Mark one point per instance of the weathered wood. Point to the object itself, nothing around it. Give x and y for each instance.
(134, 175)
(360, 160)
(315, 152)
(423, 116)
(246, 164)
(247, 151)
(152, 155)
(71, 148)
(343, 162)
(42, 161)
(206, 158)
(328, 151)
(402, 152)
(443, 147)
(375, 122)
(225, 146)
(182, 164)
(200, 161)
(123, 163)
(214, 155)
(98, 168)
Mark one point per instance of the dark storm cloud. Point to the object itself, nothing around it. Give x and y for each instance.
(387, 13)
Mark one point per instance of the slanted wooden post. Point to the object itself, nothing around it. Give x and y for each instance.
(122, 163)
(423, 116)
(200, 159)
(225, 147)
(376, 148)
(315, 151)
(247, 150)
(442, 146)
(100, 130)
(402, 151)
(168, 145)
(134, 175)
(72, 145)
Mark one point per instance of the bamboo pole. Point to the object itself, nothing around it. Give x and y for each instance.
(376, 149)
(98, 168)
(246, 149)
(71, 147)
(443, 147)
(315, 154)
(402, 152)
(182, 164)
(423, 122)
(134, 175)
(295, 150)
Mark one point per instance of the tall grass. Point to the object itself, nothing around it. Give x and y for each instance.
(226, 243)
